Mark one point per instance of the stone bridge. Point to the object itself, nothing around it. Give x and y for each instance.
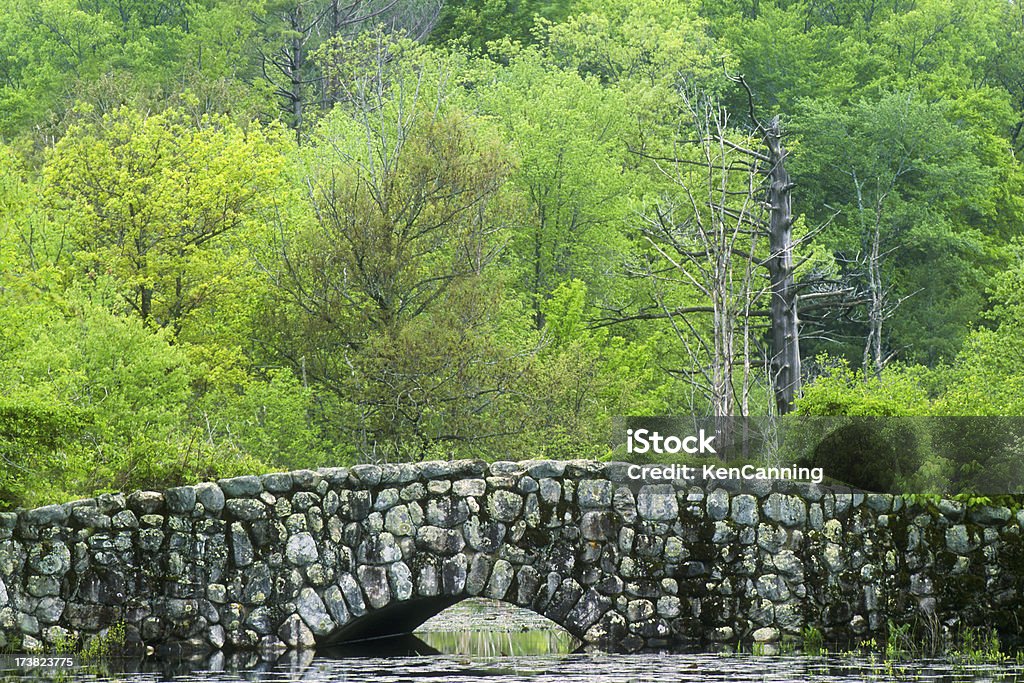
(308, 558)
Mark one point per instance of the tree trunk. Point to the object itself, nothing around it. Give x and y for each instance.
(873, 359)
(783, 310)
(145, 302)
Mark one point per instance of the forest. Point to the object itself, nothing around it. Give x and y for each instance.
(240, 236)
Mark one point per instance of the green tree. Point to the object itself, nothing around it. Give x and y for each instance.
(388, 295)
(93, 402)
(568, 135)
(905, 185)
(293, 30)
(583, 378)
(157, 202)
(477, 23)
(987, 377)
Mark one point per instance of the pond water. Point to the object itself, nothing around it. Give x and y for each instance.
(476, 642)
(576, 668)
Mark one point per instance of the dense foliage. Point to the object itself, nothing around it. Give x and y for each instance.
(238, 236)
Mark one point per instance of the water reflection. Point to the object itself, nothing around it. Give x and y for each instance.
(373, 666)
(487, 642)
(602, 668)
(490, 644)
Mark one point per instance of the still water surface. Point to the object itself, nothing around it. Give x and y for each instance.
(577, 668)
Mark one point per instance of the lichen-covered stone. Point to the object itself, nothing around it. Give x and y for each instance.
(49, 558)
(469, 487)
(241, 487)
(597, 526)
(379, 548)
(301, 550)
(334, 601)
(959, 540)
(590, 608)
(501, 579)
(146, 502)
(90, 517)
(594, 493)
(349, 587)
(453, 575)
(785, 509)
(717, 503)
(374, 582)
(180, 500)
(210, 496)
(241, 546)
(669, 606)
(440, 541)
(744, 510)
(657, 502)
(247, 509)
(314, 613)
(399, 522)
(296, 634)
(414, 491)
(366, 475)
(550, 491)
(624, 504)
(772, 587)
(987, 514)
(504, 506)
(789, 565)
(447, 512)
(308, 480)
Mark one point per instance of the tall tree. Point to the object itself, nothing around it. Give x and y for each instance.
(903, 180)
(567, 134)
(705, 231)
(151, 202)
(390, 286)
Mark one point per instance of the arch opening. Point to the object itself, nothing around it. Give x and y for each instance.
(454, 625)
(494, 628)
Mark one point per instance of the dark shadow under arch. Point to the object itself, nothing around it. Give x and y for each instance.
(393, 620)
(398, 621)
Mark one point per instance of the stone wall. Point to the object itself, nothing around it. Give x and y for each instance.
(304, 558)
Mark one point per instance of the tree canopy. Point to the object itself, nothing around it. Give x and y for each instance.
(243, 236)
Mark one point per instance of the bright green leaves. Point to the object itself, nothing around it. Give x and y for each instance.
(840, 390)
(158, 203)
(482, 256)
(987, 378)
(584, 378)
(118, 390)
(909, 196)
(142, 319)
(567, 133)
(643, 42)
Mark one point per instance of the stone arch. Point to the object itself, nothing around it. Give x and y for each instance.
(416, 560)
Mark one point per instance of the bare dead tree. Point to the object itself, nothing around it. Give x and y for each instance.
(709, 232)
(732, 244)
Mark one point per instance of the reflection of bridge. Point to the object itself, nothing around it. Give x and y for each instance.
(338, 555)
